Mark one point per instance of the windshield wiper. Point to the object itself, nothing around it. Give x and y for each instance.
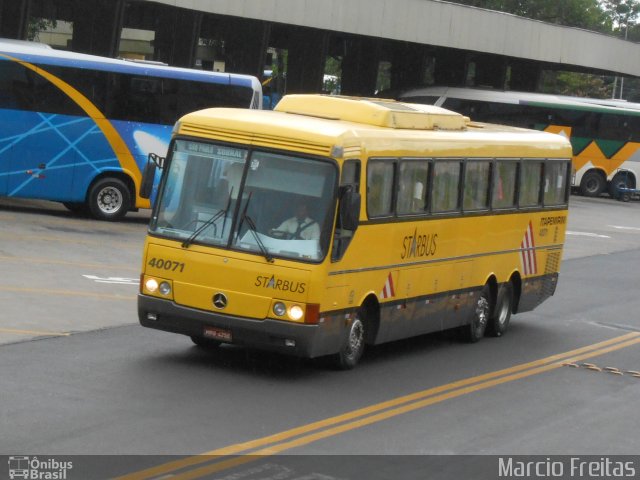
(212, 220)
(252, 229)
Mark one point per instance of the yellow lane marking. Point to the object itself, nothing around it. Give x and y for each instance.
(359, 418)
(68, 293)
(33, 332)
(49, 261)
(305, 440)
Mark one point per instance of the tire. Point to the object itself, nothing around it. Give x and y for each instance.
(109, 199)
(499, 320)
(474, 331)
(206, 343)
(592, 184)
(621, 180)
(349, 356)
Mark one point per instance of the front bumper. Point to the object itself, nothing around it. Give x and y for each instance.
(266, 334)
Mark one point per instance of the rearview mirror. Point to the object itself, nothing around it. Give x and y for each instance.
(349, 209)
(148, 175)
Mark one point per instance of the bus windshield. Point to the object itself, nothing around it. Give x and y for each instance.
(271, 204)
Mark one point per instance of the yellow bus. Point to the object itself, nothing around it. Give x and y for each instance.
(335, 222)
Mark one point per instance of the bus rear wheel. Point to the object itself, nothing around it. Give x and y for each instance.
(109, 199)
(592, 184)
(499, 321)
(349, 356)
(474, 331)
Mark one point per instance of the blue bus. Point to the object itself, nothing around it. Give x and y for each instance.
(77, 129)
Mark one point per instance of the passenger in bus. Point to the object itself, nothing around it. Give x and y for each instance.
(299, 227)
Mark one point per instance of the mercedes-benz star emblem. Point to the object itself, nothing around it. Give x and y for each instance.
(220, 300)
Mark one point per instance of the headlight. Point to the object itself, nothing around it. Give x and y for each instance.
(164, 288)
(279, 309)
(296, 312)
(151, 285)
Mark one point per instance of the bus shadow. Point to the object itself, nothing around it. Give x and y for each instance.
(239, 359)
(57, 210)
(438, 348)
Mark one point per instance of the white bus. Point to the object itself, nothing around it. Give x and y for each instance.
(604, 134)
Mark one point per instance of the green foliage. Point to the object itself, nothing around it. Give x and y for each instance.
(588, 14)
(576, 84)
(37, 25)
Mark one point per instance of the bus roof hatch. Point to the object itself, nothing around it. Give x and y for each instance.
(373, 111)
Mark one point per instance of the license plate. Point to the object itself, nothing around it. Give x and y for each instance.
(218, 334)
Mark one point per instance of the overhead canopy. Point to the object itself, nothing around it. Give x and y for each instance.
(432, 22)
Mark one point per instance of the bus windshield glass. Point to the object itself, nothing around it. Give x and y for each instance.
(285, 208)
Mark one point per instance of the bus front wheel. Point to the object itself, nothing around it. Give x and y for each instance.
(499, 321)
(348, 357)
(621, 180)
(109, 199)
(474, 331)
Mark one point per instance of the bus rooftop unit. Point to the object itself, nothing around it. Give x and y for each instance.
(335, 222)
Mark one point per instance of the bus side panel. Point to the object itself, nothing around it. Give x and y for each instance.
(141, 139)
(41, 153)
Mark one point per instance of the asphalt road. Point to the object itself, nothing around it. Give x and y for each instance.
(80, 377)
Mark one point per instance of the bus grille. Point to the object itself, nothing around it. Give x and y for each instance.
(553, 262)
(270, 141)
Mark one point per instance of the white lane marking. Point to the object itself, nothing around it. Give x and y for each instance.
(587, 234)
(621, 227)
(116, 280)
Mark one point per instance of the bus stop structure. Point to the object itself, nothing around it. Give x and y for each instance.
(452, 44)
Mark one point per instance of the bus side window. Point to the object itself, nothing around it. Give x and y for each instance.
(412, 187)
(476, 185)
(380, 180)
(555, 182)
(445, 195)
(504, 184)
(530, 183)
(349, 178)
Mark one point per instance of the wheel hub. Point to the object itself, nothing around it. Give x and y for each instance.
(109, 200)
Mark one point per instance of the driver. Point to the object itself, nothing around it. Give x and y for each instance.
(300, 226)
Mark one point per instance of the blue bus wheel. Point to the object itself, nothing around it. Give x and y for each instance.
(109, 199)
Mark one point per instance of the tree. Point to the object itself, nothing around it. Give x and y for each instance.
(587, 14)
(623, 14)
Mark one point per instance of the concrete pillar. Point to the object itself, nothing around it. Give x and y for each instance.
(245, 45)
(97, 26)
(305, 63)
(408, 64)
(360, 66)
(450, 67)
(524, 75)
(490, 71)
(177, 33)
(14, 17)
